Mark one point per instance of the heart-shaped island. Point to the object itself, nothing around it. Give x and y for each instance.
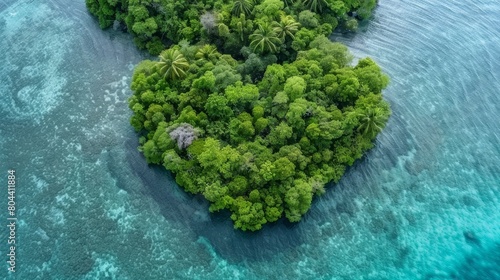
(257, 149)
(251, 105)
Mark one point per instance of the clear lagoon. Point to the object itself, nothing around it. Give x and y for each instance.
(423, 204)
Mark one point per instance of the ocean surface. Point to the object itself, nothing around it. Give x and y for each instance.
(423, 204)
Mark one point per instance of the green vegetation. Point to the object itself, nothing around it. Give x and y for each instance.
(259, 148)
(253, 107)
(156, 24)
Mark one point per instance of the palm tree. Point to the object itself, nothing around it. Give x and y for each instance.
(172, 64)
(208, 53)
(241, 26)
(242, 7)
(315, 5)
(289, 3)
(286, 26)
(265, 39)
(372, 121)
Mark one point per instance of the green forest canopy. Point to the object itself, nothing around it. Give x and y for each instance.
(227, 24)
(257, 110)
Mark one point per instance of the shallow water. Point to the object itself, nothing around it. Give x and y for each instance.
(423, 204)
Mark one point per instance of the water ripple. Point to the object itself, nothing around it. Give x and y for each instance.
(423, 204)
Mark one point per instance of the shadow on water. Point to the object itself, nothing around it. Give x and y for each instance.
(191, 211)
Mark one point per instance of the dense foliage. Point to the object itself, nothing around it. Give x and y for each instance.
(258, 149)
(261, 129)
(224, 23)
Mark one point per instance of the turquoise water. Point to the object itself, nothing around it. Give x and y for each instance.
(423, 204)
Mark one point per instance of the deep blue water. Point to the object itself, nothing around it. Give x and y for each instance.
(423, 204)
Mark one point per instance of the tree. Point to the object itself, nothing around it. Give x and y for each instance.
(273, 213)
(351, 25)
(365, 8)
(295, 87)
(104, 10)
(216, 107)
(172, 64)
(269, 9)
(348, 85)
(280, 135)
(211, 158)
(207, 53)
(238, 186)
(208, 21)
(280, 104)
(242, 7)
(242, 26)
(215, 191)
(151, 152)
(184, 135)
(261, 124)
(225, 75)
(338, 51)
(284, 168)
(241, 96)
(286, 27)
(241, 130)
(295, 155)
(205, 82)
(315, 5)
(145, 28)
(265, 39)
(372, 121)
(308, 19)
(266, 171)
(289, 3)
(273, 79)
(247, 215)
(338, 8)
(296, 113)
(172, 161)
(298, 200)
(256, 64)
(302, 39)
(370, 74)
